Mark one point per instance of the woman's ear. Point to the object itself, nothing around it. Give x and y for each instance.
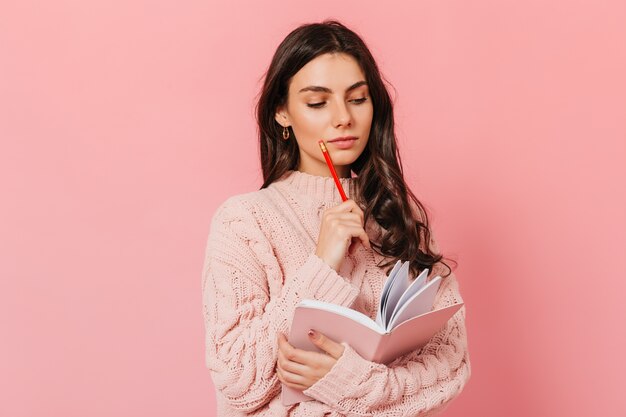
(281, 117)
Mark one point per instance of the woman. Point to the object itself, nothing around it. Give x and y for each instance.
(295, 238)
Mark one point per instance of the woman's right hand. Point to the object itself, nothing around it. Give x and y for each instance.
(340, 224)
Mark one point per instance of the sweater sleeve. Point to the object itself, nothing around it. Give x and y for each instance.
(241, 319)
(417, 383)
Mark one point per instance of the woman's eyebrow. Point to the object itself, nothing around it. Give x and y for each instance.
(321, 89)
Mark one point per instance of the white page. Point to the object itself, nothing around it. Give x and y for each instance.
(414, 287)
(421, 302)
(398, 287)
(344, 311)
(385, 293)
(385, 301)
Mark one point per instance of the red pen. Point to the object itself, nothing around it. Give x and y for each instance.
(332, 168)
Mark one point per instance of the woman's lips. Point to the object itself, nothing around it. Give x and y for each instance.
(343, 144)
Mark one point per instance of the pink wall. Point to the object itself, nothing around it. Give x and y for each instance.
(120, 120)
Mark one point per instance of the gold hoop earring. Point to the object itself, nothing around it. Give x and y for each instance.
(285, 133)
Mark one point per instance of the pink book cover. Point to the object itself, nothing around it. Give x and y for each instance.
(364, 335)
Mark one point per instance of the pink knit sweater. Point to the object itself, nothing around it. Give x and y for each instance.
(260, 262)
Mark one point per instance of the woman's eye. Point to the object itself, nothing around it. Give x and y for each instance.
(321, 103)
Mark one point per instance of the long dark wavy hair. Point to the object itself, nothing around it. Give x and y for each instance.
(380, 188)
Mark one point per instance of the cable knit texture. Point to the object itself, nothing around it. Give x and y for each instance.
(260, 262)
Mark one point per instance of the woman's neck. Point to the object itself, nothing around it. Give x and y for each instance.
(322, 170)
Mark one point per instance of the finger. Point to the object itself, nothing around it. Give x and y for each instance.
(357, 232)
(351, 222)
(352, 246)
(307, 361)
(283, 345)
(355, 209)
(361, 234)
(350, 217)
(325, 343)
(290, 379)
(291, 353)
(281, 340)
(365, 239)
(288, 365)
(349, 206)
(346, 206)
(335, 219)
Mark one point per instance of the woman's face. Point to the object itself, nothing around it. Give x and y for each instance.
(327, 99)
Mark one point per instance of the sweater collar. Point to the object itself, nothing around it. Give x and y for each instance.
(320, 188)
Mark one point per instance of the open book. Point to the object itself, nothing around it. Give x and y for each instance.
(405, 321)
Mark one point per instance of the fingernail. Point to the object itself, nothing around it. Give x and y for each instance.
(312, 334)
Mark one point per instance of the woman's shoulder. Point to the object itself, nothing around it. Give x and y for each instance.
(244, 206)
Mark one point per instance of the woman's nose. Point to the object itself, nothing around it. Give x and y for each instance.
(341, 115)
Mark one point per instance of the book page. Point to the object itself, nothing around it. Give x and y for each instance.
(396, 289)
(385, 293)
(400, 286)
(343, 311)
(414, 287)
(421, 302)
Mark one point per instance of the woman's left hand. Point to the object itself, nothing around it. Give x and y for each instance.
(299, 368)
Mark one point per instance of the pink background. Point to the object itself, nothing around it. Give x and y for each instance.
(125, 123)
